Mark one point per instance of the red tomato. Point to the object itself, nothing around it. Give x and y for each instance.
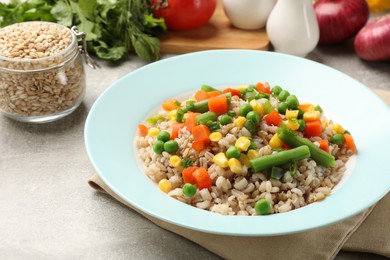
(182, 15)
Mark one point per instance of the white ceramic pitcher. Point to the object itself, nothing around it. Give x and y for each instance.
(292, 27)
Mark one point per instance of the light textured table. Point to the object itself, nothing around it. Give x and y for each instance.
(47, 210)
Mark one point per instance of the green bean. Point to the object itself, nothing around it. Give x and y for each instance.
(276, 159)
(261, 95)
(154, 119)
(302, 125)
(250, 125)
(203, 106)
(207, 116)
(318, 108)
(208, 88)
(268, 108)
(320, 156)
(277, 173)
(253, 116)
(233, 152)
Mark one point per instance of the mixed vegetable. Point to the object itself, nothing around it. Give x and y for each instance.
(300, 134)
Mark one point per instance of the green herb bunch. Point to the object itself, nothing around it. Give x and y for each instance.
(113, 27)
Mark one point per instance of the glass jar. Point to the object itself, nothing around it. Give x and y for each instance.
(42, 77)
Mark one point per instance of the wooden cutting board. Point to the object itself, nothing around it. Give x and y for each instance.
(217, 34)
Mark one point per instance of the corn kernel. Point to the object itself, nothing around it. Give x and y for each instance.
(235, 165)
(172, 115)
(239, 121)
(175, 161)
(242, 143)
(153, 131)
(256, 106)
(252, 154)
(221, 160)
(338, 128)
(324, 123)
(165, 185)
(242, 87)
(292, 124)
(311, 115)
(215, 136)
(275, 142)
(244, 159)
(292, 114)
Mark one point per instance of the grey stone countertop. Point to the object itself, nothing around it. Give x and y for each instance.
(48, 211)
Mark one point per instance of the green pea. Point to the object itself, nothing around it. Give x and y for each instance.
(158, 147)
(276, 90)
(244, 109)
(263, 207)
(283, 95)
(302, 125)
(253, 116)
(337, 139)
(171, 146)
(292, 101)
(282, 107)
(163, 136)
(233, 152)
(225, 119)
(189, 189)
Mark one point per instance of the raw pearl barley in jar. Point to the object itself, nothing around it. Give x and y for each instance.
(42, 77)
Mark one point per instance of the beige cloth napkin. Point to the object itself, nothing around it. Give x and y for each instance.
(367, 232)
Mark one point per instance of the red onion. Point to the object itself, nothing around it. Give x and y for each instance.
(339, 20)
(372, 42)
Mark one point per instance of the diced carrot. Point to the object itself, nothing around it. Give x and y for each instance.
(143, 129)
(218, 104)
(199, 146)
(273, 118)
(305, 107)
(213, 93)
(191, 120)
(202, 178)
(261, 87)
(201, 95)
(170, 104)
(201, 133)
(233, 91)
(188, 176)
(348, 140)
(175, 129)
(313, 128)
(324, 144)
